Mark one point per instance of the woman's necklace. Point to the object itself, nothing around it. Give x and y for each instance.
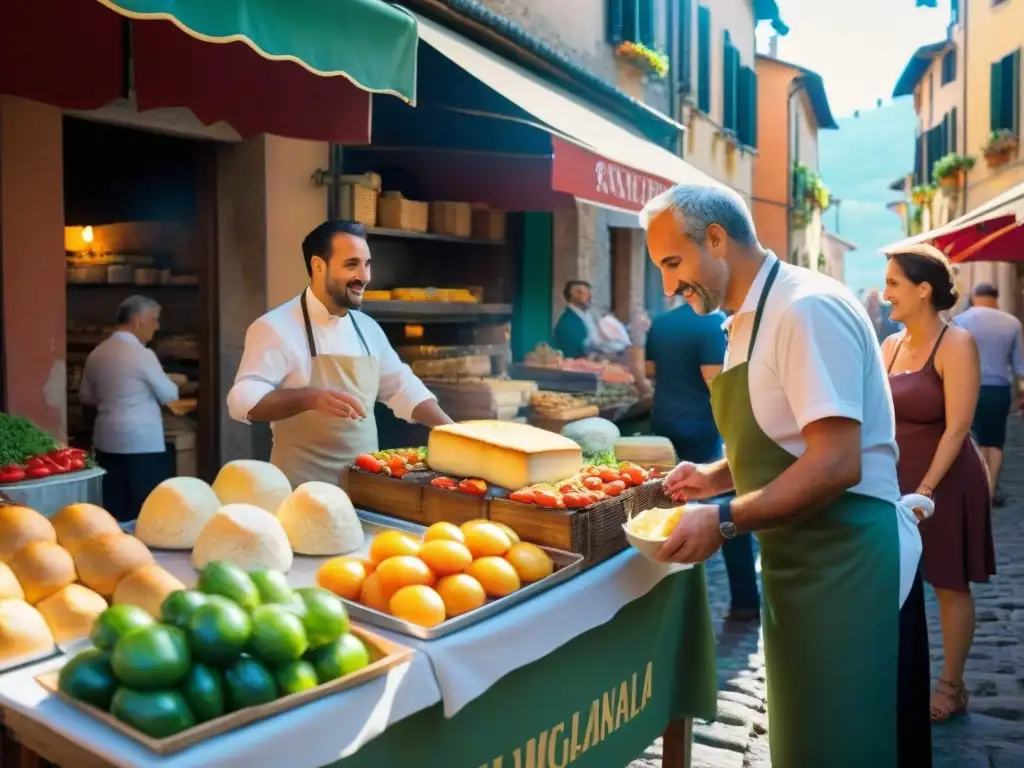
(917, 351)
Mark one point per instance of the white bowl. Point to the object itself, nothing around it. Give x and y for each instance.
(646, 547)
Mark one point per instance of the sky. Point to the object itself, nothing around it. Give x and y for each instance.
(859, 48)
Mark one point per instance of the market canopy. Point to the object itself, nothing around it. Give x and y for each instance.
(298, 68)
(587, 153)
(994, 231)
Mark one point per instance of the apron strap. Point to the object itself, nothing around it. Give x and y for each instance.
(359, 333)
(309, 327)
(760, 305)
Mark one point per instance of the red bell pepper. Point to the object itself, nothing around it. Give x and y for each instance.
(37, 473)
(77, 464)
(11, 474)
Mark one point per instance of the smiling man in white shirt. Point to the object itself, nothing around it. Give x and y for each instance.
(124, 380)
(315, 366)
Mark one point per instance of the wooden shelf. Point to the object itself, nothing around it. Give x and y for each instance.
(404, 234)
(135, 286)
(434, 311)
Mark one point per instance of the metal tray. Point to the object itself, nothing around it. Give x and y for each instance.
(59, 649)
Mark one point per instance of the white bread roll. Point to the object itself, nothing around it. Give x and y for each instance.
(78, 524)
(43, 568)
(9, 585)
(71, 612)
(147, 588)
(319, 519)
(107, 559)
(22, 630)
(246, 481)
(244, 535)
(175, 512)
(20, 526)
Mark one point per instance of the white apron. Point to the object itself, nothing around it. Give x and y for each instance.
(313, 446)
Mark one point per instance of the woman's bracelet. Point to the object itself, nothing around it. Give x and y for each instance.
(926, 490)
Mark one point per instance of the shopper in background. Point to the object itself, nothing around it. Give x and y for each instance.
(581, 332)
(124, 380)
(685, 351)
(934, 376)
(998, 337)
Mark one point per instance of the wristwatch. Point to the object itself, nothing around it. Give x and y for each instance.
(725, 524)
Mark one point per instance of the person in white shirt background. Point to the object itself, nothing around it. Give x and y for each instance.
(314, 366)
(804, 407)
(124, 381)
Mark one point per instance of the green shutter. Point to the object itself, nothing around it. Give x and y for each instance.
(995, 106)
(615, 21)
(645, 22)
(752, 105)
(1011, 92)
(953, 128)
(684, 49)
(704, 59)
(728, 84)
(631, 20)
(742, 109)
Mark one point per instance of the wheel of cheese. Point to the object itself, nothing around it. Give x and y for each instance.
(319, 519)
(175, 512)
(43, 568)
(78, 524)
(22, 630)
(107, 559)
(244, 535)
(9, 586)
(20, 526)
(246, 481)
(71, 612)
(147, 588)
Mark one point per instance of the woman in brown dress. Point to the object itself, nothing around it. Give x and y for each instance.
(934, 374)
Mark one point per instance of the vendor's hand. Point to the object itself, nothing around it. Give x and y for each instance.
(688, 481)
(695, 539)
(340, 405)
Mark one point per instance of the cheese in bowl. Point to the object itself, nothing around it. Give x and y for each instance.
(647, 531)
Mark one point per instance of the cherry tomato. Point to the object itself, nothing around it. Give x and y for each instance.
(77, 464)
(547, 499)
(523, 497)
(653, 473)
(443, 482)
(473, 487)
(591, 471)
(633, 475)
(575, 500)
(614, 488)
(609, 475)
(368, 463)
(592, 483)
(401, 471)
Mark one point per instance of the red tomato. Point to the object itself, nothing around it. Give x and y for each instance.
(368, 463)
(443, 482)
(592, 483)
(614, 488)
(547, 499)
(575, 500)
(77, 464)
(401, 471)
(473, 487)
(653, 473)
(609, 475)
(523, 497)
(12, 474)
(633, 475)
(37, 472)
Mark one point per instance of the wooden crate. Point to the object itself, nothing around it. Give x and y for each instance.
(401, 498)
(452, 506)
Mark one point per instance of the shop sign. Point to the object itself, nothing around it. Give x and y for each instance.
(589, 176)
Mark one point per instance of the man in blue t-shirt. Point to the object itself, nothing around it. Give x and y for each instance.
(684, 352)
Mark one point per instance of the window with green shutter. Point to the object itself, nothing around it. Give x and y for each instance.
(704, 59)
(729, 85)
(746, 105)
(684, 47)
(1004, 94)
(953, 127)
(631, 20)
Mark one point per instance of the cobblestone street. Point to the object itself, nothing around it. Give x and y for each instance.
(991, 736)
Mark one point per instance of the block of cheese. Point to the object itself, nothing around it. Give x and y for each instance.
(22, 630)
(42, 568)
(147, 588)
(244, 535)
(20, 526)
(246, 481)
(9, 584)
(107, 559)
(78, 524)
(175, 512)
(319, 519)
(71, 612)
(503, 453)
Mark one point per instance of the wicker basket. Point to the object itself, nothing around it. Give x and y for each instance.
(395, 212)
(488, 224)
(451, 219)
(359, 203)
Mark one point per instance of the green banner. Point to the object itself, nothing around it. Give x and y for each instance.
(597, 702)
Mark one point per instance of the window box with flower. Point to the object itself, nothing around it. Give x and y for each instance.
(950, 171)
(809, 195)
(1000, 147)
(650, 61)
(922, 194)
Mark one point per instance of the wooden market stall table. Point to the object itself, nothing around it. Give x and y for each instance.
(596, 667)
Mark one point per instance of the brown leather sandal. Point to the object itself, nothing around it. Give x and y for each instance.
(956, 698)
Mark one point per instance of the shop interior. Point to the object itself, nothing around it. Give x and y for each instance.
(134, 225)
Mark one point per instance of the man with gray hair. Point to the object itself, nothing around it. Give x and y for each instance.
(804, 408)
(125, 382)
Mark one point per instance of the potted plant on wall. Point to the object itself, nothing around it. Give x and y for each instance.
(951, 170)
(1000, 147)
(654, 63)
(809, 195)
(922, 194)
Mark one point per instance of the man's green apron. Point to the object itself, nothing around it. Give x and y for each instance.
(831, 603)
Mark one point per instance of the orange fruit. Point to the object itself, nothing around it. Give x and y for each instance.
(445, 557)
(461, 593)
(512, 535)
(531, 562)
(496, 575)
(444, 532)
(344, 576)
(486, 540)
(373, 595)
(404, 571)
(471, 523)
(392, 544)
(418, 604)
(368, 564)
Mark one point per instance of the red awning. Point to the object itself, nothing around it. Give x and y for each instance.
(72, 54)
(582, 173)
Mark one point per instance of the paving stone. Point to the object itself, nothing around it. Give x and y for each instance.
(750, 702)
(704, 756)
(734, 737)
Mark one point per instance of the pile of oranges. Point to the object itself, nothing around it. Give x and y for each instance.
(451, 571)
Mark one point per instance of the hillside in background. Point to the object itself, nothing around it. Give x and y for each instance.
(858, 162)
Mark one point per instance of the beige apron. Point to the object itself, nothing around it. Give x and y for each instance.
(312, 446)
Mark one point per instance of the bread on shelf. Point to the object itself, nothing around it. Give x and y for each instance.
(503, 453)
(175, 512)
(247, 481)
(78, 524)
(71, 612)
(22, 630)
(20, 526)
(244, 535)
(147, 588)
(319, 519)
(107, 559)
(42, 568)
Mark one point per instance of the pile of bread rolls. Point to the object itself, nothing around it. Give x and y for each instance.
(57, 575)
